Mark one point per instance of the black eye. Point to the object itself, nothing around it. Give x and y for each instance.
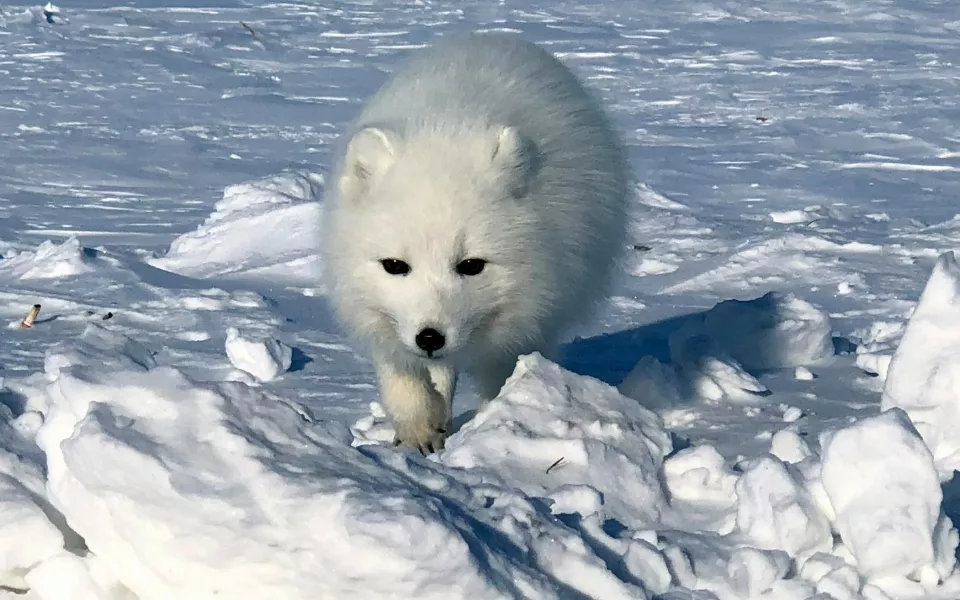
(395, 266)
(471, 266)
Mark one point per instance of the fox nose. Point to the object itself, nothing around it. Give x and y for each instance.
(429, 340)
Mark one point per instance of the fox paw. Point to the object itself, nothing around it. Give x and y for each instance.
(425, 436)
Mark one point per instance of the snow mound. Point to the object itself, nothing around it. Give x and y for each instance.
(146, 485)
(862, 520)
(700, 482)
(877, 345)
(777, 512)
(190, 491)
(712, 354)
(775, 331)
(596, 440)
(102, 347)
(49, 261)
(27, 535)
(699, 369)
(924, 375)
(791, 217)
(265, 229)
(265, 359)
(883, 487)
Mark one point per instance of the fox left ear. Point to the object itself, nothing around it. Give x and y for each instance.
(515, 157)
(370, 152)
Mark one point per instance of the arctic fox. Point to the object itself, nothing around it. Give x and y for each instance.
(477, 209)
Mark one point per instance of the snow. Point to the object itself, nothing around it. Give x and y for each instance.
(791, 216)
(49, 261)
(180, 469)
(265, 359)
(923, 377)
(27, 536)
(878, 471)
(771, 332)
(776, 512)
(763, 410)
(240, 237)
(610, 446)
(711, 354)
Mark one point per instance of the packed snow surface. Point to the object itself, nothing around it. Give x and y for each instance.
(766, 409)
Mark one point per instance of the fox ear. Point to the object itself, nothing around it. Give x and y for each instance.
(369, 153)
(515, 157)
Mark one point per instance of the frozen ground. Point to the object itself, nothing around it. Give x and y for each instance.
(798, 169)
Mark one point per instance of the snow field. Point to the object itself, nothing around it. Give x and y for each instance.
(763, 412)
(560, 485)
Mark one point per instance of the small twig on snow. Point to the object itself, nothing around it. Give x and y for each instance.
(555, 464)
(253, 32)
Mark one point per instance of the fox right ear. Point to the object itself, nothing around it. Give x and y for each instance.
(516, 158)
(369, 153)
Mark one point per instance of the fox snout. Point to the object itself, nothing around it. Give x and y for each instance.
(430, 340)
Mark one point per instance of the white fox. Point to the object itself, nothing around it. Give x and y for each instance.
(476, 211)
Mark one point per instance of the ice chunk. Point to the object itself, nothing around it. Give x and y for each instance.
(700, 482)
(648, 564)
(752, 572)
(27, 536)
(881, 481)
(774, 331)
(776, 512)
(265, 359)
(545, 413)
(792, 414)
(788, 446)
(833, 576)
(49, 261)
(924, 376)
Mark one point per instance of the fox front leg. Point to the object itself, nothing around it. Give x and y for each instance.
(420, 413)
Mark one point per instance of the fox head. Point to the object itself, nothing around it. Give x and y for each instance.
(435, 238)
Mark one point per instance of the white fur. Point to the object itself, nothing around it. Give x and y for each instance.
(481, 146)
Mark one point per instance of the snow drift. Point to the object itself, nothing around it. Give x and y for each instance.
(191, 491)
(715, 355)
(264, 229)
(160, 487)
(50, 260)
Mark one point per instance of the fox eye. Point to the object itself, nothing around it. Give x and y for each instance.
(395, 266)
(471, 266)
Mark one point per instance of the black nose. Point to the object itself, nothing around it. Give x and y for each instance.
(429, 340)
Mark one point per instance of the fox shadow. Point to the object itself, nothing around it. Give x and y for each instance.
(609, 357)
(15, 402)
